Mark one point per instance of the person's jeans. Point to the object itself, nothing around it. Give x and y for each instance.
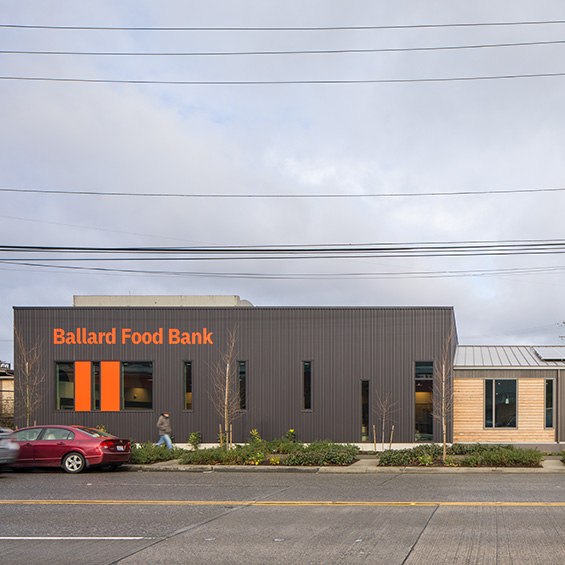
(165, 439)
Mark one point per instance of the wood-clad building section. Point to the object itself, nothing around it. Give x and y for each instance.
(527, 378)
(469, 413)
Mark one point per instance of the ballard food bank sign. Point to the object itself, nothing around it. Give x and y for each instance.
(173, 336)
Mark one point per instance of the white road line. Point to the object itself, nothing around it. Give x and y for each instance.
(70, 538)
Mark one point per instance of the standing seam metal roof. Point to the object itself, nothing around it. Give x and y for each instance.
(504, 356)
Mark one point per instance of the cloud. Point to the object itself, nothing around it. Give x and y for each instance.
(288, 139)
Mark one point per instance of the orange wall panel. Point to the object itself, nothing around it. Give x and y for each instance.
(110, 386)
(83, 386)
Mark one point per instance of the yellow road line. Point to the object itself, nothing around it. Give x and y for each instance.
(279, 503)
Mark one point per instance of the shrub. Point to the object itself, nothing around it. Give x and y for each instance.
(290, 435)
(147, 453)
(473, 448)
(474, 455)
(240, 455)
(504, 456)
(282, 445)
(322, 453)
(195, 439)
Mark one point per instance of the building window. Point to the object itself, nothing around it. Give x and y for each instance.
(137, 385)
(424, 400)
(364, 410)
(242, 384)
(500, 403)
(65, 386)
(307, 385)
(96, 385)
(188, 385)
(549, 403)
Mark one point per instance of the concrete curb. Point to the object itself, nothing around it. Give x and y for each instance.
(365, 465)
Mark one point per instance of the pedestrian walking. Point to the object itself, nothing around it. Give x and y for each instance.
(164, 428)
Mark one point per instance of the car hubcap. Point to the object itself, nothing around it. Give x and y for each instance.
(74, 463)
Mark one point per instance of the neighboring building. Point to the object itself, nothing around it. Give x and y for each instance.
(508, 394)
(121, 361)
(6, 394)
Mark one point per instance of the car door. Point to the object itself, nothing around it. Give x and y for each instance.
(26, 438)
(52, 445)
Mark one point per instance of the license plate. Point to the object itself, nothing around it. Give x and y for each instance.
(120, 447)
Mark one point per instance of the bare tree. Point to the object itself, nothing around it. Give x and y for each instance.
(385, 408)
(225, 391)
(443, 390)
(28, 378)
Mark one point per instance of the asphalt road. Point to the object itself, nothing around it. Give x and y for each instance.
(178, 517)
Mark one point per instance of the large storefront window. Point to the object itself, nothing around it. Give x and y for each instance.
(65, 386)
(104, 385)
(500, 403)
(137, 385)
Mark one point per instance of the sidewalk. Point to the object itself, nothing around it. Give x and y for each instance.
(366, 464)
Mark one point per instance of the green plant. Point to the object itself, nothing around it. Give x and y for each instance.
(195, 439)
(425, 460)
(147, 453)
(473, 455)
(322, 453)
(240, 455)
(290, 435)
(282, 445)
(450, 461)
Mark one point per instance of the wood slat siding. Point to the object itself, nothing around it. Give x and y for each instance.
(468, 414)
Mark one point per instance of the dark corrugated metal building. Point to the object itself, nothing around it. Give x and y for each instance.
(320, 371)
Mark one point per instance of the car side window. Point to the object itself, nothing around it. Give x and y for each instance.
(57, 434)
(27, 435)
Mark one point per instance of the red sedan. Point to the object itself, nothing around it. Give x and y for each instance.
(71, 447)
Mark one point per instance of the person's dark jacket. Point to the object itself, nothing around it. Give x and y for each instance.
(164, 425)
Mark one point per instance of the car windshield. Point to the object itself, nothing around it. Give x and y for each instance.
(94, 432)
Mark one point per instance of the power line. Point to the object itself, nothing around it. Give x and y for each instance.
(280, 82)
(295, 52)
(302, 28)
(282, 196)
(341, 251)
(297, 276)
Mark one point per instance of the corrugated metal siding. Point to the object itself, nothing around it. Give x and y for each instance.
(345, 345)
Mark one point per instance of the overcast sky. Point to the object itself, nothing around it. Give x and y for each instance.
(341, 138)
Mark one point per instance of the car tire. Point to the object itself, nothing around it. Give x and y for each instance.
(73, 463)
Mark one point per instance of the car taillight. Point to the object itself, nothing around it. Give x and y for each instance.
(106, 443)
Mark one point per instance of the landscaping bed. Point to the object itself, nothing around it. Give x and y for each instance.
(462, 455)
(283, 451)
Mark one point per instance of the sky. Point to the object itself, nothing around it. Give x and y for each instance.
(385, 150)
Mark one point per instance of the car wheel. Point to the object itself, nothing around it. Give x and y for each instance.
(73, 463)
